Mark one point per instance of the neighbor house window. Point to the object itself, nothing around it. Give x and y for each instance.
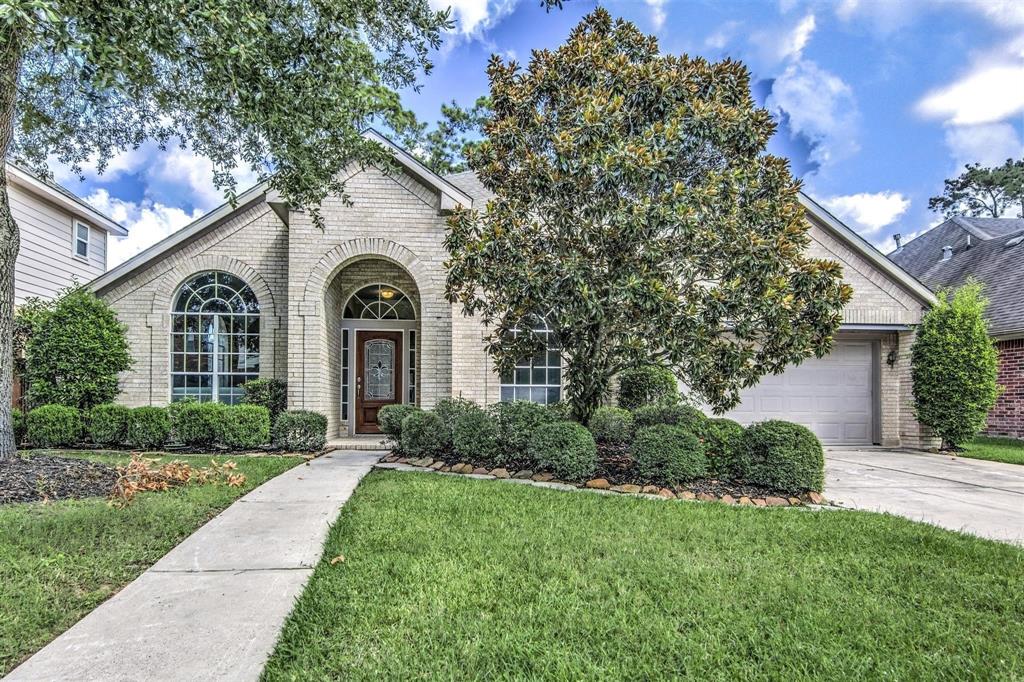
(81, 240)
(215, 338)
(537, 379)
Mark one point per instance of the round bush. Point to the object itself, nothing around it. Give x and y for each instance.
(612, 425)
(270, 393)
(721, 443)
(245, 427)
(148, 428)
(668, 454)
(475, 436)
(199, 424)
(517, 421)
(300, 431)
(647, 385)
(687, 416)
(18, 422)
(566, 448)
(449, 410)
(561, 410)
(54, 426)
(781, 455)
(422, 434)
(108, 424)
(390, 417)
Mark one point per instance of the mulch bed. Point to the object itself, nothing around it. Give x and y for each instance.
(38, 478)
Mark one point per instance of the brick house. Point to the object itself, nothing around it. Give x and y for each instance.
(355, 317)
(991, 250)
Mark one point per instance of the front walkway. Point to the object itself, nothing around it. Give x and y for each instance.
(211, 609)
(975, 496)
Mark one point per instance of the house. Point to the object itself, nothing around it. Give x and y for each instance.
(354, 316)
(63, 239)
(992, 251)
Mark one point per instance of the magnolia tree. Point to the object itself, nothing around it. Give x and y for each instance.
(636, 213)
(284, 86)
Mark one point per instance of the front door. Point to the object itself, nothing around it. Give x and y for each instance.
(378, 376)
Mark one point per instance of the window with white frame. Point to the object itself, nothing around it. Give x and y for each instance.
(539, 378)
(81, 240)
(215, 338)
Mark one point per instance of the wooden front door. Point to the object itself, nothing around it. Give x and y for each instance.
(378, 376)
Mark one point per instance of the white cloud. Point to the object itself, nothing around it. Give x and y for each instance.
(788, 45)
(722, 35)
(1006, 13)
(989, 144)
(989, 93)
(147, 223)
(657, 8)
(474, 17)
(867, 212)
(820, 107)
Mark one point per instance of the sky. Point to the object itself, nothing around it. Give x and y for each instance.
(878, 101)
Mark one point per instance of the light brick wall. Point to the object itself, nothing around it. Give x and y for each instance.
(1007, 416)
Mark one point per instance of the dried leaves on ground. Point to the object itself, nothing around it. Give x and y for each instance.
(145, 474)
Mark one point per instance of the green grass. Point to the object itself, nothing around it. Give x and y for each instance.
(59, 561)
(452, 578)
(1006, 450)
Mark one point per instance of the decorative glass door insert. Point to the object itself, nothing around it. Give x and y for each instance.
(379, 369)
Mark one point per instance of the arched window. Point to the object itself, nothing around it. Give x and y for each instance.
(379, 302)
(215, 338)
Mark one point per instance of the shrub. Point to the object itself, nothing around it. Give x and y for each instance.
(612, 425)
(18, 423)
(721, 443)
(54, 426)
(300, 431)
(422, 434)
(647, 385)
(149, 428)
(108, 424)
(449, 410)
(561, 410)
(75, 353)
(566, 448)
(669, 454)
(517, 421)
(172, 414)
(269, 393)
(199, 424)
(245, 427)
(687, 416)
(781, 455)
(389, 419)
(954, 366)
(476, 436)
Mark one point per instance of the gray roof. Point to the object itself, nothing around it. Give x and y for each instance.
(469, 183)
(993, 257)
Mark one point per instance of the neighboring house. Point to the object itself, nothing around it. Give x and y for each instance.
(63, 239)
(992, 251)
(354, 316)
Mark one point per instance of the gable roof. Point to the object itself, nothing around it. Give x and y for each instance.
(63, 197)
(994, 256)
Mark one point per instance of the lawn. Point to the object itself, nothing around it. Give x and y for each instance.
(453, 578)
(59, 561)
(1006, 450)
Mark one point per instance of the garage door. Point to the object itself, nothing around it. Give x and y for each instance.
(832, 396)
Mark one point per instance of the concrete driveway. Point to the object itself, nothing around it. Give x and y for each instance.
(970, 495)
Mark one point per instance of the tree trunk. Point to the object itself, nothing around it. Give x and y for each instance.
(10, 240)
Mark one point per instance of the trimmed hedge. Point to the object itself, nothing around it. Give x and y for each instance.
(148, 428)
(108, 424)
(612, 425)
(448, 411)
(54, 426)
(300, 431)
(18, 422)
(475, 436)
(199, 424)
(781, 455)
(668, 454)
(245, 427)
(422, 434)
(647, 385)
(517, 422)
(722, 440)
(687, 416)
(390, 418)
(269, 393)
(566, 448)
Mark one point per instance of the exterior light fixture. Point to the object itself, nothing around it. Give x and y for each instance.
(890, 359)
(387, 294)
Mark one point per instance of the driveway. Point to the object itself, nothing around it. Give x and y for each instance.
(970, 495)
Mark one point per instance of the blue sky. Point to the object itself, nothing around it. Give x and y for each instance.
(878, 100)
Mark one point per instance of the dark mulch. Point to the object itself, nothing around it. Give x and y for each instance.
(39, 478)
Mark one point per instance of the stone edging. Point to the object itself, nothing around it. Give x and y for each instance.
(600, 485)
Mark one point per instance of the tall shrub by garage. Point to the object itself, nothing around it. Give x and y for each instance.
(149, 428)
(781, 455)
(954, 365)
(54, 426)
(108, 424)
(647, 385)
(245, 427)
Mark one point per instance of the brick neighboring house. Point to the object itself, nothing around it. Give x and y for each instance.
(354, 316)
(992, 251)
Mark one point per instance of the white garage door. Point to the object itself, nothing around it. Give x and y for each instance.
(832, 396)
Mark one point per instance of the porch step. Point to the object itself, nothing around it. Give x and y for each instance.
(371, 442)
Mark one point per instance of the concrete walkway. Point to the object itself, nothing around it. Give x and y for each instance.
(974, 496)
(212, 608)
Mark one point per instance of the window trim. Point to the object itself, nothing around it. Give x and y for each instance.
(75, 239)
(547, 385)
(407, 297)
